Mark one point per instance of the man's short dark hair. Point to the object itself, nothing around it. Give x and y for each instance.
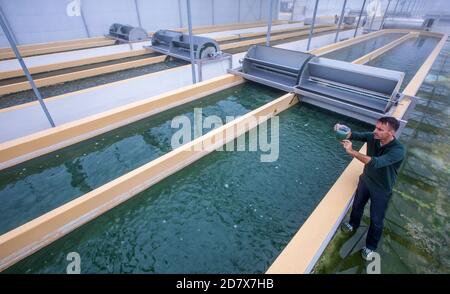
(392, 122)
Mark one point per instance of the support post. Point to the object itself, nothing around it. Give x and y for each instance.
(137, 13)
(8, 26)
(395, 8)
(84, 20)
(373, 17)
(191, 44)
(384, 15)
(269, 25)
(180, 14)
(312, 25)
(25, 70)
(293, 9)
(359, 18)
(340, 21)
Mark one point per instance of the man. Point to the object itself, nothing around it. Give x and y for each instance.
(384, 157)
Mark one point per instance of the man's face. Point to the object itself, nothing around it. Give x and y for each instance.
(382, 131)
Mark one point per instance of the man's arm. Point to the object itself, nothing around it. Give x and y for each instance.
(356, 136)
(391, 157)
(353, 153)
(359, 136)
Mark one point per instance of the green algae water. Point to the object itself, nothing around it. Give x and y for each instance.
(416, 234)
(407, 57)
(226, 213)
(35, 187)
(360, 49)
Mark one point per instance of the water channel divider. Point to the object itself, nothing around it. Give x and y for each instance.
(28, 147)
(25, 148)
(81, 74)
(374, 54)
(111, 68)
(41, 231)
(73, 63)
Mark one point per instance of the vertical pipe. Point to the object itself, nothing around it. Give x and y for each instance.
(137, 13)
(312, 25)
(269, 25)
(180, 14)
(359, 18)
(340, 21)
(25, 70)
(84, 20)
(384, 15)
(191, 45)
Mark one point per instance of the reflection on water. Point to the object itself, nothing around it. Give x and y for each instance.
(360, 49)
(406, 57)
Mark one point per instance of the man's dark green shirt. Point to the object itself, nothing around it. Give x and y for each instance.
(381, 172)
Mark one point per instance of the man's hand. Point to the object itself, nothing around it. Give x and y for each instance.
(347, 146)
(349, 149)
(337, 126)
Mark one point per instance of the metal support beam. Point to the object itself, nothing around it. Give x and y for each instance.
(293, 8)
(340, 21)
(373, 17)
(269, 25)
(384, 15)
(84, 20)
(359, 18)
(191, 44)
(395, 8)
(312, 25)
(8, 26)
(137, 12)
(180, 14)
(25, 70)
